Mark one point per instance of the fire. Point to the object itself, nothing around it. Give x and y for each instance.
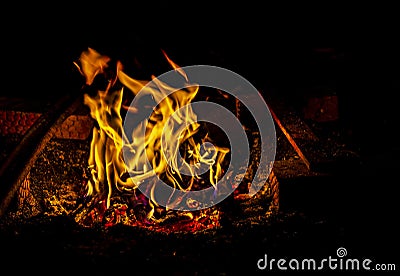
(118, 159)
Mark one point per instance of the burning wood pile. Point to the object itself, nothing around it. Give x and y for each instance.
(151, 156)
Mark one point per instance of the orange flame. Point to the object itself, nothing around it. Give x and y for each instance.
(110, 172)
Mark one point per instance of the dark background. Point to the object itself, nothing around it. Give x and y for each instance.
(277, 48)
(284, 50)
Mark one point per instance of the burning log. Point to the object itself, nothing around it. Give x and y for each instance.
(114, 186)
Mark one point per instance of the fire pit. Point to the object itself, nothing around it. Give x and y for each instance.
(87, 179)
(76, 201)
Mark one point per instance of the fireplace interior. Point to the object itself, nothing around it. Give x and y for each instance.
(330, 186)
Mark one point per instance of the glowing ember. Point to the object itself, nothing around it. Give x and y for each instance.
(118, 159)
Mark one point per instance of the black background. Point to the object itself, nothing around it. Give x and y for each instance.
(273, 47)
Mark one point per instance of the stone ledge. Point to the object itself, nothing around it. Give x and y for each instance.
(18, 122)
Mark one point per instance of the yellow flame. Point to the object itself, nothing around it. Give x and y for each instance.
(109, 169)
(91, 64)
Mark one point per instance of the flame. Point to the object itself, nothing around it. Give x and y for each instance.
(92, 64)
(112, 172)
